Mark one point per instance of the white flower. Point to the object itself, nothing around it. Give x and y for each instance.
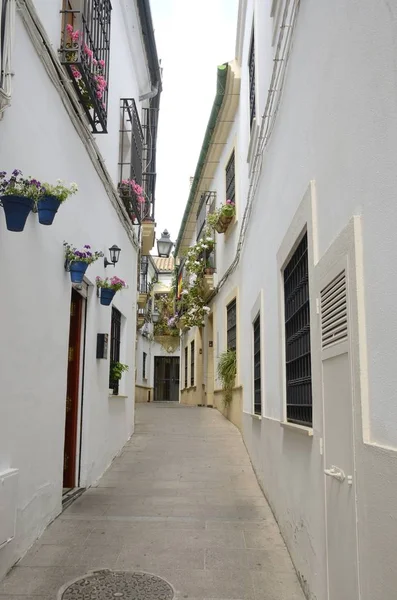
(206, 308)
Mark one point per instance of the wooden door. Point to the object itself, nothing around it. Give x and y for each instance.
(72, 394)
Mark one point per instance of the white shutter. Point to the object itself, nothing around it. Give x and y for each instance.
(334, 316)
(7, 27)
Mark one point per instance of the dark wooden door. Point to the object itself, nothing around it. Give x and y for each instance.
(166, 379)
(72, 394)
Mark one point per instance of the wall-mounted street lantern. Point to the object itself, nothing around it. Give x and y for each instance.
(164, 244)
(114, 256)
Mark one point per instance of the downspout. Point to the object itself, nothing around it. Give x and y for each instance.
(219, 97)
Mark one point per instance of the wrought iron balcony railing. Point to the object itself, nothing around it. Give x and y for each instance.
(84, 51)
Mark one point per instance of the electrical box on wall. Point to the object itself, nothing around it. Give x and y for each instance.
(102, 345)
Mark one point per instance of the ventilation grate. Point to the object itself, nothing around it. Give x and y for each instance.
(334, 312)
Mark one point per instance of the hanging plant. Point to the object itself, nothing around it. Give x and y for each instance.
(50, 199)
(227, 368)
(77, 261)
(109, 287)
(18, 195)
(221, 218)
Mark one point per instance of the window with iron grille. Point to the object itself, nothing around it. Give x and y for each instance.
(115, 340)
(192, 357)
(149, 126)
(232, 325)
(251, 70)
(7, 25)
(143, 278)
(130, 159)
(230, 179)
(257, 367)
(297, 336)
(186, 359)
(85, 52)
(144, 365)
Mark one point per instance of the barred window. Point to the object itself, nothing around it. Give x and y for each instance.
(251, 70)
(192, 363)
(115, 340)
(297, 336)
(144, 365)
(232, 325)
(257, 366)
(230, 179)
(186, 365)
(7, 26)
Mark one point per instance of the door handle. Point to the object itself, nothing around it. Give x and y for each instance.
(336, 473)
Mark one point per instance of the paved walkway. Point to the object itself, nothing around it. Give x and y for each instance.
(181, 502)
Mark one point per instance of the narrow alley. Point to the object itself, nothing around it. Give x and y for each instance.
(181, 502)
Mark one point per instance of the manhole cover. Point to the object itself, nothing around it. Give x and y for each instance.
(102, 585)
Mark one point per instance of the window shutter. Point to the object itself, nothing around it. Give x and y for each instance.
(334, 319)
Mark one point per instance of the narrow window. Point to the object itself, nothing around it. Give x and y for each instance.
(115, 339)
(257, 367)
(232, 325)
(144, 365)
(186, 359)
(131, 147)
(297, 336)
(251, 70)
(230, 179)
(192, 363)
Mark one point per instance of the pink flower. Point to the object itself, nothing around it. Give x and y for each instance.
(102, 63)
(76, 35)
(88, 51)
(69, 29)
(75, 72)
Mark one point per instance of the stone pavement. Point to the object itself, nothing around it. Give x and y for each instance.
(181, 502)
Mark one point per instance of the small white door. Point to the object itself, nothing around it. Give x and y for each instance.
(340, 490)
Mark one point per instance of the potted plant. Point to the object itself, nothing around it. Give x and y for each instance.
(77, 261)
(221, 219)
(116, 372)
(51, 198)
(18, 195)
(109, 287)
(227, 368)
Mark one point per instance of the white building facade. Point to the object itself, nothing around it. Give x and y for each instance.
(60, 424)
(308, 264)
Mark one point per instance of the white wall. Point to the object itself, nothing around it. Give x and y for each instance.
(336, 125)
(38, 137)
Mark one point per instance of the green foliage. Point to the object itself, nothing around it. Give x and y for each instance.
(227, 368)
(116, 370)
(225, 210)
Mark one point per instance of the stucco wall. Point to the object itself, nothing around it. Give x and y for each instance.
(38, 137)
(336, 124)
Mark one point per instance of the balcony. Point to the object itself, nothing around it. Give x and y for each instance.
(147, 236)
(208, 283)
(84, 52)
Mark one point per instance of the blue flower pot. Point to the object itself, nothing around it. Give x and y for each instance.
(77, 270)
(107, 296)
(47, 208)
(16, 209)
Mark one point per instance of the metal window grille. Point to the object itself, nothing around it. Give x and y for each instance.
(297, 336)
(144, 366)
(7, 25)
(206, 206)
(186, 363)
(130, 158)
(149, 126)
(232, 325)
(251, 69)
(257, 367)
(230, 179)
(192, 357)
(115, 340)
(85, 53)
(143, 277)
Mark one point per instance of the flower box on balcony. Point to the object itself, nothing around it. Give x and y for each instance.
(222, 224)
(221, 219)
(148, 237)
(208, 283)
(142, 299)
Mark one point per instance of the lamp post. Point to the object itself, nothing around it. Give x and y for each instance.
(164, 244)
